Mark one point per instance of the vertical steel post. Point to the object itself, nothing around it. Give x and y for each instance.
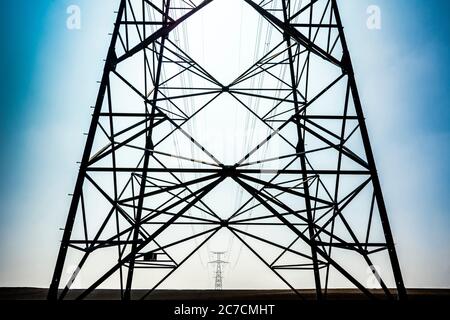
(301, 151)
(147, 154)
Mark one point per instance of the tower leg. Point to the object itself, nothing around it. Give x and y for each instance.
(401, 291)
(147, 155)
(301, 151)
(109, 65)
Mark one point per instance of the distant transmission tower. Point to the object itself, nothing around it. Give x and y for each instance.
(218, 273)
(149, 177)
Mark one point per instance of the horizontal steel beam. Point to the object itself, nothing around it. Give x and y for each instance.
(217, 170)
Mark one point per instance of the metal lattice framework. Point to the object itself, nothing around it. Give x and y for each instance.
(218, 273)
(316, 203)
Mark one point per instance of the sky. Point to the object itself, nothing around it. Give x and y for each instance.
(49, 82)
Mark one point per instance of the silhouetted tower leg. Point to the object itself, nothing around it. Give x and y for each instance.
(290, 31)
(346, 59)
(148, 152)
(301, 151)
(109, 66)
(104, 94)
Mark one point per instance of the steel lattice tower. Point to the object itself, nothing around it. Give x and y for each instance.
(218, 273)
(318, 207)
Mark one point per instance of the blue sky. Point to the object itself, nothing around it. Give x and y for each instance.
(49, 81)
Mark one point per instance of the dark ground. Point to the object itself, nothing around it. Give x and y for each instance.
(212, 295)
(226, 304)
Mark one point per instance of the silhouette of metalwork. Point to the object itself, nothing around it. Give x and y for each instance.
(318, 208)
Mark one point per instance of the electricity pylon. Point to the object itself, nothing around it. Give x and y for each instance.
(218, 270)
(147, 178)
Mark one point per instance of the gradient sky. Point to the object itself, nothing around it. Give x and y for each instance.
(49, 82)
